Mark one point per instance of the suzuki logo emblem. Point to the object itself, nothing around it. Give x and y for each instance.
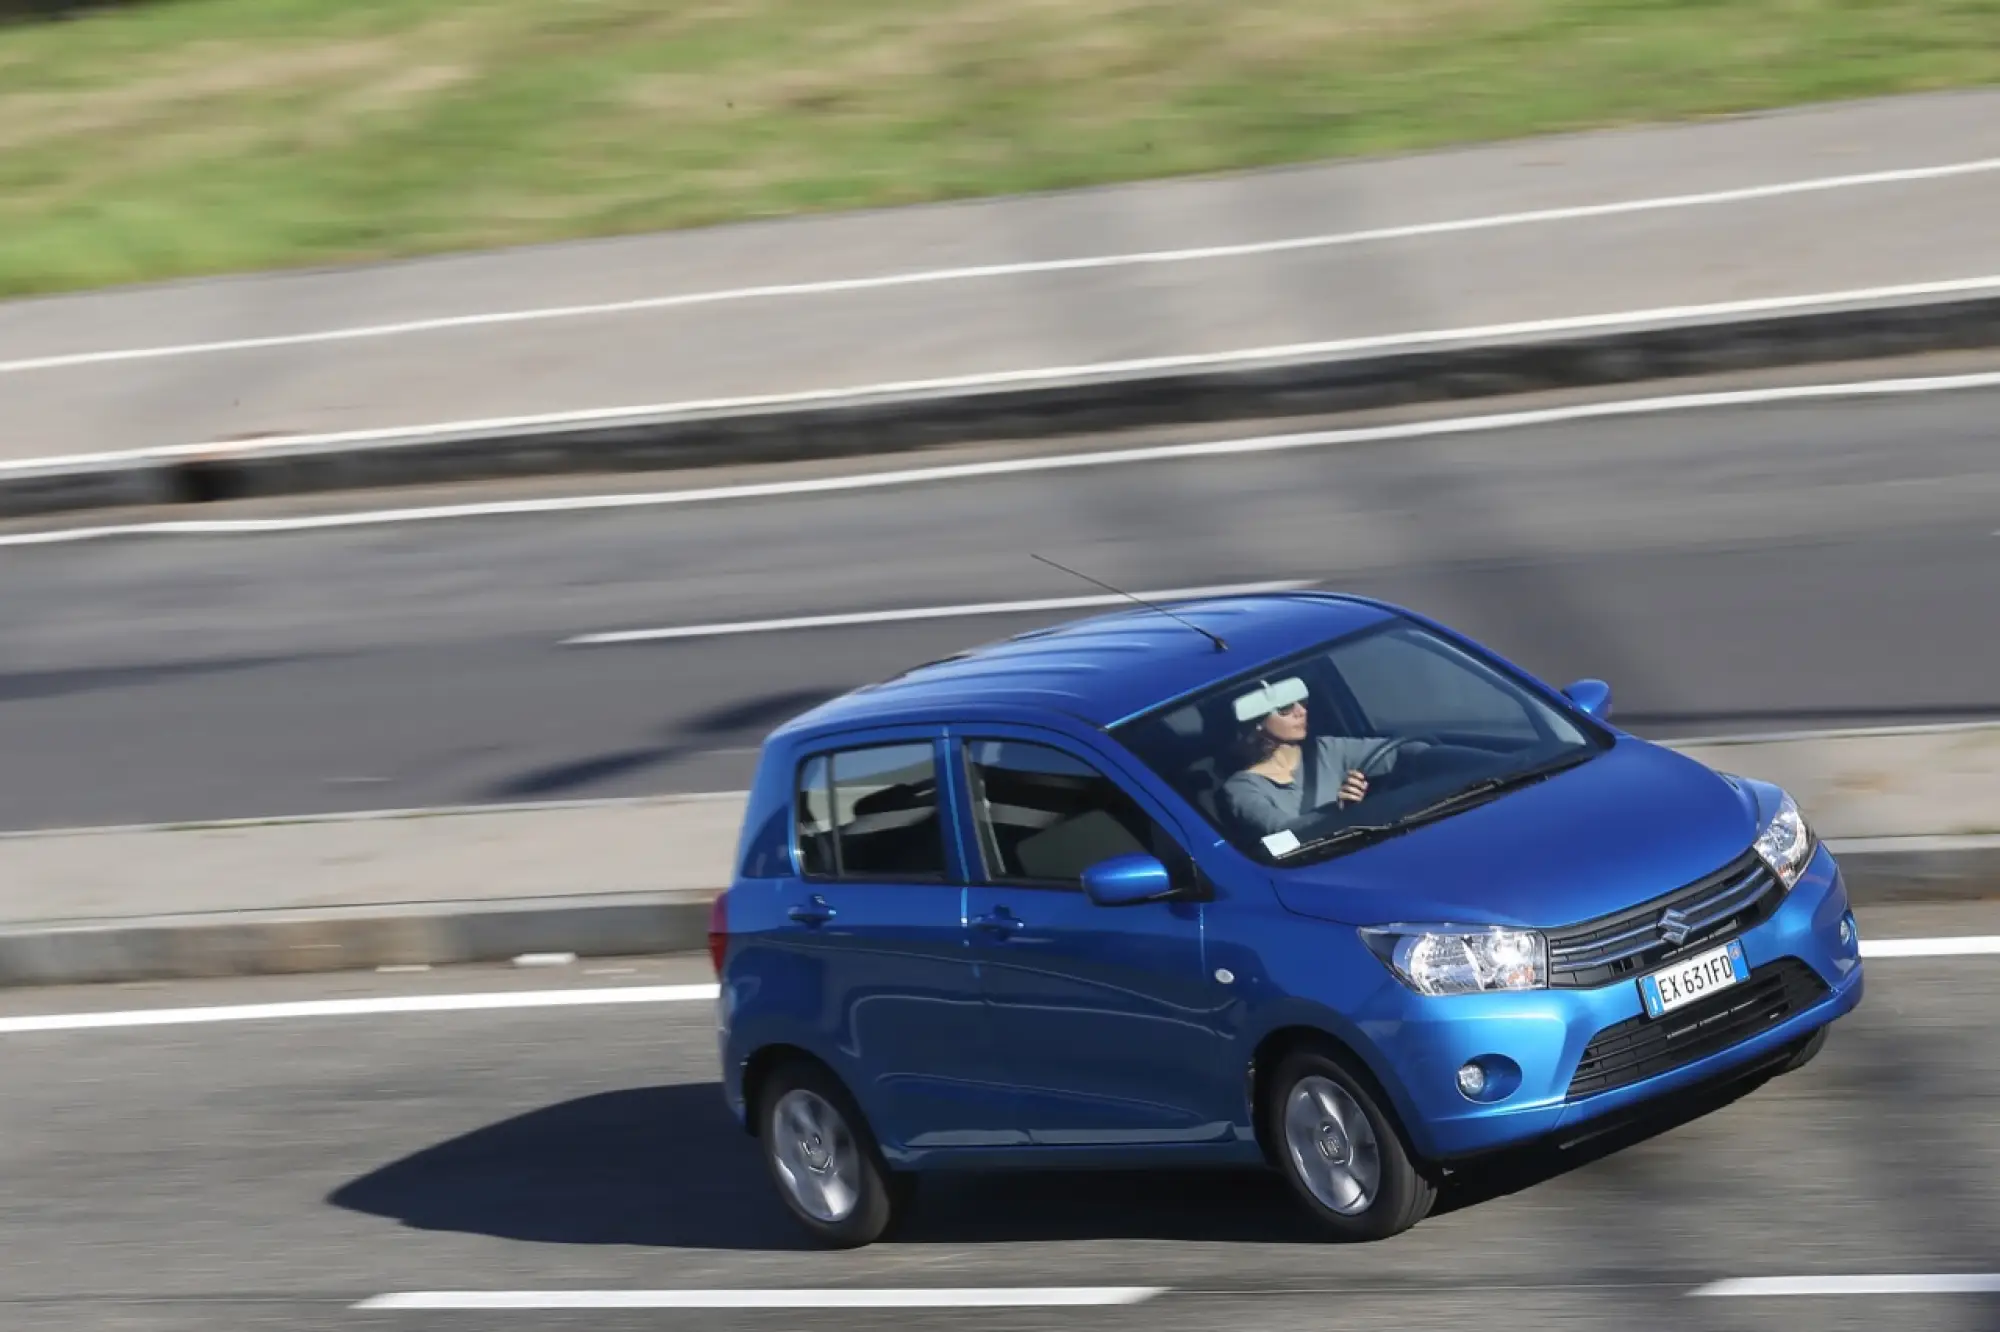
(1674, 927)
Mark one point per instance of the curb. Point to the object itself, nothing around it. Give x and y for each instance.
(889, 423)
(1879, 872)
(257, 943)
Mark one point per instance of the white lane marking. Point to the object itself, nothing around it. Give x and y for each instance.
(1912, 1283)
(964, 1297)
(982, 272)
(1977, 946)
(1024, 466)
(323, 1008)
(1986, 945)
(379, 815)
(393, 437)
(919, 613)
(1722, 738)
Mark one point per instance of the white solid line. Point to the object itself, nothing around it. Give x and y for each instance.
(835, 1298)
(393, 437)
(1971, 946)
(374, 815)
(1913, 1283)
(980, 272)
(322, 1008)
(1974, 945)
(919, 613)
(1024, 466)
(1836, 733)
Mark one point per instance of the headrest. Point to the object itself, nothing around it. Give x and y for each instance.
(1268, 697)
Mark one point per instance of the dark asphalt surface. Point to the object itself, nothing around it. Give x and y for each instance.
(268, 1175)
(1775, 567)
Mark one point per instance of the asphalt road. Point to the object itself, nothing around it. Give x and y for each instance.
(268, 1175)
(1772, 567)
(768, 335)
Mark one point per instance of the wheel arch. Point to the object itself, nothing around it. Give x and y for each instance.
(1281, 1042)
(764, 1061)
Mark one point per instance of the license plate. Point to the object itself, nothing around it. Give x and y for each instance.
(1693, 978)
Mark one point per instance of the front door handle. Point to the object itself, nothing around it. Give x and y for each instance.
(814, 912)
(1002, 922)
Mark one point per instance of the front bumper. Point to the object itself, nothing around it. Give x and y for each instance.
(1534, 1044)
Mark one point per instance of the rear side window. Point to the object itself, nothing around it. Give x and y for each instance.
(1044, 817)
(871, 813)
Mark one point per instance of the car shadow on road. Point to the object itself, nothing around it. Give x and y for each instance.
(666, 1167)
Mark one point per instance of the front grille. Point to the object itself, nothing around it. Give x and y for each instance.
(1643, 1047)
(1741, 894)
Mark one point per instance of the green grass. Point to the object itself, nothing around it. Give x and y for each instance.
(196, 136)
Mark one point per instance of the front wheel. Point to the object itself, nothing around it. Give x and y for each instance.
(826, 1164)
(1806, 1053)
(1341, 1153)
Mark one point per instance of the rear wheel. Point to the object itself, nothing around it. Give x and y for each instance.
(825, 1161)
(1341, 1151)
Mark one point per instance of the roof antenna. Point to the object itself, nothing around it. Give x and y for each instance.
(1214, 638)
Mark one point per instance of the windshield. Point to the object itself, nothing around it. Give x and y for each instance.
(1358, 739)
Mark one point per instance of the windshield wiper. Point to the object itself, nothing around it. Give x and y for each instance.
(1477, 793)
(1345, 834)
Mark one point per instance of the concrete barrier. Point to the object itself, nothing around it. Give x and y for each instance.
(1913, 813)
(849, 425)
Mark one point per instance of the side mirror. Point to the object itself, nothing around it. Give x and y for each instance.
(1128, 880)
(1593, 696)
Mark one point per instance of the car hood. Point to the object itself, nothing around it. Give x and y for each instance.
(1635, 822)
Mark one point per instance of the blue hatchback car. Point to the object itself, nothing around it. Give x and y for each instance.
(1300, 880)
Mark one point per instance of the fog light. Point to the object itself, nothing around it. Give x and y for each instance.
(1472, 1080)
(1847, 930)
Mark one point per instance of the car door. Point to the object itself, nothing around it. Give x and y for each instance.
(877, 917)
(1105, 1018)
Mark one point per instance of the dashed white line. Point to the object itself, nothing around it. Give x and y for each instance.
(917, 613)
(1975, 946)
(1021, 466)
(986, 272)
(1913, 1283)
(961, 1297)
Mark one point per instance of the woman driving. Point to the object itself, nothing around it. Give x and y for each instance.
(1277, 786)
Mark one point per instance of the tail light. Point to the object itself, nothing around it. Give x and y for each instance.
(718, 932)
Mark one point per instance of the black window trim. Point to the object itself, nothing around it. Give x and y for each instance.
(943, 878)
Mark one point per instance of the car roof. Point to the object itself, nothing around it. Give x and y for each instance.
(1105, 668)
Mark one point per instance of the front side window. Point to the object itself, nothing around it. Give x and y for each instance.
(871, 813)
(1044, 816)
(1357, 739)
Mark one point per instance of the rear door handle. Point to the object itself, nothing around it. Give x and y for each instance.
(814, 912)
(1002, 922)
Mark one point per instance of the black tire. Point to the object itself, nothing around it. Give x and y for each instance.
(881, 1196)
(1806, 1053)
(1403, 1193)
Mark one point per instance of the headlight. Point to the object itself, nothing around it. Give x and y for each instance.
(1787, 842)
(1461, 959)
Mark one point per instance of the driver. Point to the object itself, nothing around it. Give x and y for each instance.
(1275, 788)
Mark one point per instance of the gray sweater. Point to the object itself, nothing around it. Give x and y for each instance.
(1264, 806)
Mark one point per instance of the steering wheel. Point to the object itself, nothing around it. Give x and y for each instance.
(1393, 745)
